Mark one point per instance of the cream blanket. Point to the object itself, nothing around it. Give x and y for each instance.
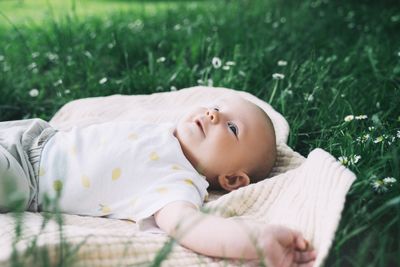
(307, 194)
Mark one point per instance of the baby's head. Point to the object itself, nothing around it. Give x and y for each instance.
(231, 142)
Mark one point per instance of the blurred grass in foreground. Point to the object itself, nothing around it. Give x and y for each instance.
(337, 58)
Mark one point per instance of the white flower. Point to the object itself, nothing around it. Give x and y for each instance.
(88, 54)
(225, 67)
(242, 73)
(160, 59)
(355, 159)
(379, 139)
(363, 139)
(371, 128)
(309, 98)
(67, 91)
(173, 88)
(361, 117)
(35, 54)
(51, 56)
(32, 66)
(137, 25)
(103, 80)
(287, 92)
(1, 57)
(398, 134)
(34, 92)
(278, 76)
(379, 186)
(390, 139)
(344, 160)
(282, 63)
(350, 160)
(230, 63)
(349, 118)
(177, 27)
(58, 82)
(216, 62)
(389, 181)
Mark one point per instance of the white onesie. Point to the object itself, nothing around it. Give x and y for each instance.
(124, 170)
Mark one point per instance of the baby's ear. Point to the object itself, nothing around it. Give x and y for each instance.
(233, 181)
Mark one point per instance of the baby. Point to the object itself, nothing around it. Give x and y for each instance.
(159, 172)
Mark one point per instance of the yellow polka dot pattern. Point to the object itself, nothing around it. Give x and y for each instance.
(132, 136)
(154, 156)
(105, 209)
(116, 174)
(42, 172)
(176, 167)
(162, 190)
(189, 181)
(73, 150)
(85, 181)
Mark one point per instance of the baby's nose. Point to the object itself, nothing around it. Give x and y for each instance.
(212, 115)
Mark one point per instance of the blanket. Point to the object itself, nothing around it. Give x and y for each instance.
(306, 194)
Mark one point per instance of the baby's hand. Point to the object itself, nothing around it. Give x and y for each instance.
(284, 247)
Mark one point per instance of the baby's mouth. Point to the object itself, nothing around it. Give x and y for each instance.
(200, 125)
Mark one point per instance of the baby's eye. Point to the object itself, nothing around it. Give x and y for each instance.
(233, 128)
(216, 108)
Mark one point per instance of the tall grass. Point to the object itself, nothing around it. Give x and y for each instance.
(338, 58)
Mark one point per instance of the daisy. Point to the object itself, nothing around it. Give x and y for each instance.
(278, 76)
(282, 63)
(389, 181)
(349, 118)
(379, 186)
(161, 59)
(34, 92)
(361, 117)
(379, 139)
(103, 80)
(363, 139)
(216, 62)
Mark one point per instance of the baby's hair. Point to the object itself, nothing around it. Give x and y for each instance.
(261, 171)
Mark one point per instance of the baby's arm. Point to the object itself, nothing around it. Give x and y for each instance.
(229, 238)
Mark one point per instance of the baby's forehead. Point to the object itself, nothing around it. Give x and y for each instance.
(230, 100)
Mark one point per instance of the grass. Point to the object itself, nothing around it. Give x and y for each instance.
(38, 11)
(343, 58)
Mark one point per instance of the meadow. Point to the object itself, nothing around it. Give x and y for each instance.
(332, 68)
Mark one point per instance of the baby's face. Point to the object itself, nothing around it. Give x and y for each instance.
(224, 137)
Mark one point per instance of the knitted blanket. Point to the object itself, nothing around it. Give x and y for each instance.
(306, 194)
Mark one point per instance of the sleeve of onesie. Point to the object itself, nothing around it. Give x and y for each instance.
(178, 186)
